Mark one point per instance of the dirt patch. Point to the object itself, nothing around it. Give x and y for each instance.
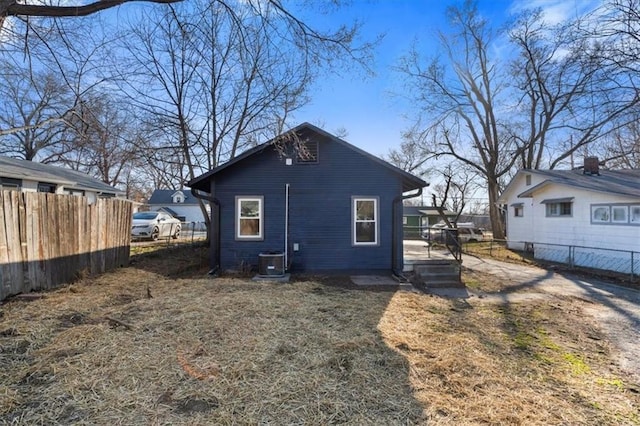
(72, 319)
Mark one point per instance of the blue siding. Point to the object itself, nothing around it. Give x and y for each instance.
(319, 209)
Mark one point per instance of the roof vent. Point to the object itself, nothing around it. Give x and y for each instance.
(591, 166)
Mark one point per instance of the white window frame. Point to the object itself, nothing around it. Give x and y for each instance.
(625, 209)
(375, 221)
(554, 209)
(518, 209)
(239, 218)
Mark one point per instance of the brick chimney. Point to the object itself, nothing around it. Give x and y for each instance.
(591, 166)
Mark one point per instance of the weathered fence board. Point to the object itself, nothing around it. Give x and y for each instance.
(47, 240)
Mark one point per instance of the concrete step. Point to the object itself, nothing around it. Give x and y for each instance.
(437, 269)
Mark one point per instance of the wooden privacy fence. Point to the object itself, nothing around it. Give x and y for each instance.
(47, 240)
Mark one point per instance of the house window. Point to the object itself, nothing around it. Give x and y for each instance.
(249, 218)
(307, 152)
(518, 209)
(527, 180)
(9, 184)
(619, 214)
(46, 187)
(178, 198)
(634, 215)
(365, 221)
(76, 192)
(558, 207)
(600, 214)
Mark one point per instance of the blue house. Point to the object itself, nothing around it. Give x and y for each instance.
(326, 205)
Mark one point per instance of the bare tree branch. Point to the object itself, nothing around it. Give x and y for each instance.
(13, 8)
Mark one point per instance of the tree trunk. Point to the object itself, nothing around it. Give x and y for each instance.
(494, 209)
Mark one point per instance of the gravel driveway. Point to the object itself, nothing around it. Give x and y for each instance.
(615, 308)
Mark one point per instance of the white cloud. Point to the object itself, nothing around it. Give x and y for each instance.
(557, 11)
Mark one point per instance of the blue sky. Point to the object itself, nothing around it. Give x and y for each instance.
(364, 106)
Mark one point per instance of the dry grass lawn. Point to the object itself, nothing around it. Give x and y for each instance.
(315, 351)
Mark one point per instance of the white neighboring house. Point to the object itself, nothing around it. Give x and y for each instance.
(29, 176)
(587, 217)
(180, 204)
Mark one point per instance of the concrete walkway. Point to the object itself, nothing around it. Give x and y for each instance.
(616, 309)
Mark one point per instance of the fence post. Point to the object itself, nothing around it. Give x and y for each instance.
(632, 264)
(571, 253)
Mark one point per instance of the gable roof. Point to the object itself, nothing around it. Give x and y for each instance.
(165, 197)
(618, 182)
(30, 170)
(409, 181)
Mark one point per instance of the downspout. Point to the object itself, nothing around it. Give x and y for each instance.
(286, 227)
(214, 234)
(395, 268)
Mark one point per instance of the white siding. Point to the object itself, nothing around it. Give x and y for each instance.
(572, 239)
(29, 186)
(519, 229)
(577, 230)
(190, 212)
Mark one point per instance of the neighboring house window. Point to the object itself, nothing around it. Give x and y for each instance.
(618, 214)
(559, 207)
(307, 152)
(527, 179)
(9, 184)
(600, 214)
(76, 192)
(249, 218)
(46, 187)
(634, 216)
(178, 198)
(365, 220)
(518, 209)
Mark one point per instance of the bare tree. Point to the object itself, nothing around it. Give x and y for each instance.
(621, 150)
(531, 107)
(23, 10)
(412, 155)
(616, 26)
(212, 79)
(572, 95)
(101, 140)
(33, 111)
(461, 98)
(455, 188)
